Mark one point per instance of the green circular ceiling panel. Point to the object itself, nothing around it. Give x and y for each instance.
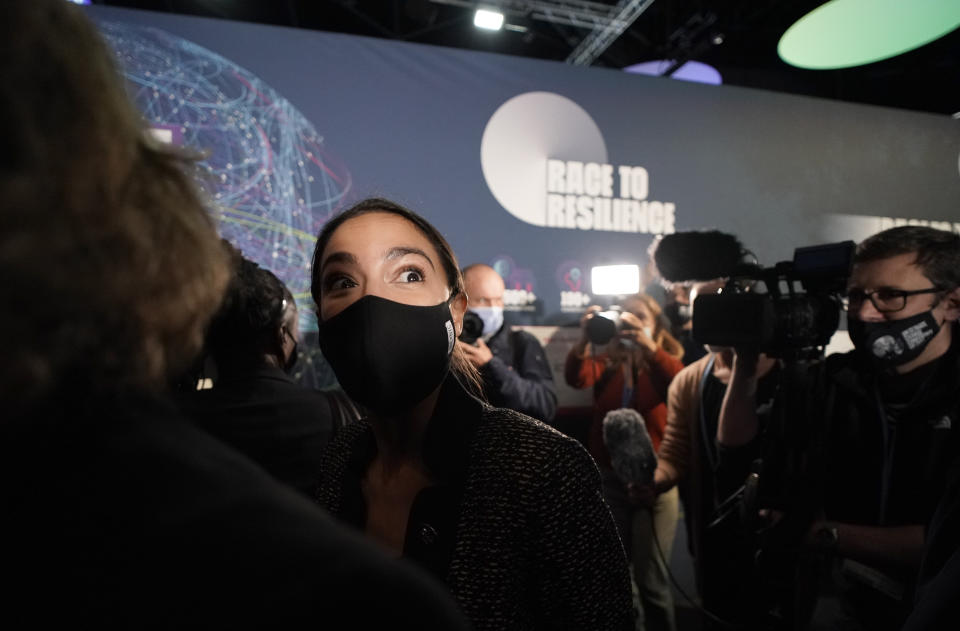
(845, 33)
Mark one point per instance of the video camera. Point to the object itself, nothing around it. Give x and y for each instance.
(788, 311)
(779, 321)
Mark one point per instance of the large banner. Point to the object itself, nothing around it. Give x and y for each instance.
(540, 169)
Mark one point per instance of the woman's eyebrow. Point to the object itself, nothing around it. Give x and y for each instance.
(399, 251)
(339, 257)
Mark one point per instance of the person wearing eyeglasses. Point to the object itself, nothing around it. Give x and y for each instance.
(890, 437)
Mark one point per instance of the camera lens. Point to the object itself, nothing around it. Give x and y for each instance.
(601, 328)
(472, 328)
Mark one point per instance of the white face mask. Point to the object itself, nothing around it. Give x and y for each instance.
(492, 320)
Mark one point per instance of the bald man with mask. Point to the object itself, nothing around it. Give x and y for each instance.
(514, 367)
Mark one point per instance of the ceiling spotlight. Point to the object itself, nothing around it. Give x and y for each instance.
(491, 20)
(717, 39)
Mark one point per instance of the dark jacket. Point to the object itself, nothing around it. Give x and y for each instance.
(263, 413)
(707, 474)
(118, 514)
(519, 376)
(936, 602)
(891, 441)
(881, 446)
(919, 432)
(515, 525)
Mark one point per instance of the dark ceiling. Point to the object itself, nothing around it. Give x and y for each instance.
(738, 37)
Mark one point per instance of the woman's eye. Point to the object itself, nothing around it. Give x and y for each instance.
(336, 283)
(411, 276)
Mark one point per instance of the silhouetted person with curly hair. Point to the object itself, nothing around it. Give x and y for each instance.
(118, 513)
(254, 404)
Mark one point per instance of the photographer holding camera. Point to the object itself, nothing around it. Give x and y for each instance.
(513, 365)
(630, 358)
(886, 439)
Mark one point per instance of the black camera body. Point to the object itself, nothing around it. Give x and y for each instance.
(472, 328)
(783, 321)
(604, 326)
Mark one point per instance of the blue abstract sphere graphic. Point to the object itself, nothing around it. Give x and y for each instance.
(274, 184)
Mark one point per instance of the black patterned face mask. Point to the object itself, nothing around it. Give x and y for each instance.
(388, 356)
(894, 342)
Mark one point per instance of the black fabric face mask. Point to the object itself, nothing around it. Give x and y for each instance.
(895, 342)
(389, 356)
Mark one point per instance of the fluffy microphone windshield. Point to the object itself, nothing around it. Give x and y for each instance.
(631, 452)
(686, 256)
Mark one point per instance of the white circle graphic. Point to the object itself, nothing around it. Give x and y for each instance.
(519, 138)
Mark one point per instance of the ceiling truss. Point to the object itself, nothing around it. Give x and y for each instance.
(604, 22)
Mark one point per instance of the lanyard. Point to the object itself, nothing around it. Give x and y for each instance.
(888, 429)
(629, 384)
(708, 441)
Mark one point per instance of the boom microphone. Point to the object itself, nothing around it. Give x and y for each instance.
(687, 256)
(631, 453)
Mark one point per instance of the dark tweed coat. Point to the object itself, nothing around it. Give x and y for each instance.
(516, 526)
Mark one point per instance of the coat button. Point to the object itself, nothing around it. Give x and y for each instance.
(428, 534)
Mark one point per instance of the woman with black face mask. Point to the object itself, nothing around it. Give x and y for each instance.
(503, 509)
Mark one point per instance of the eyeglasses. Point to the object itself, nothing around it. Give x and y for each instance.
(885, 300)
